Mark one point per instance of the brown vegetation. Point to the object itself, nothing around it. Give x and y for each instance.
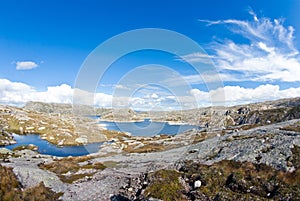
(71, 165)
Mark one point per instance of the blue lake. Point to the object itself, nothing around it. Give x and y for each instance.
(45, 147)
(147, 127)
(143, 128)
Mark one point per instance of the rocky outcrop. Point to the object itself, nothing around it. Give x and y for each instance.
(62, 129)
(6, 138)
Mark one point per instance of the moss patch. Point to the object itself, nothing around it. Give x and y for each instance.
(110, 164)
(164, 185)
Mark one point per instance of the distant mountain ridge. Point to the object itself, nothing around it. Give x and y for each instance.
(212, 117)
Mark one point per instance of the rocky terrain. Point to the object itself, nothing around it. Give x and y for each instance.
(59, 129)
(211, 117)
(249, 152)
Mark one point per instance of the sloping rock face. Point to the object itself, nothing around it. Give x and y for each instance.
(254, 114)
(268, 116)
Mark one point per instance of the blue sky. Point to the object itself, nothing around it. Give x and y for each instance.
(44, 43)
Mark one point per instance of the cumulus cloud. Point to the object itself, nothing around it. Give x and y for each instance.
(25, 65)
(16, 93)
(239, 95)
(268, 55)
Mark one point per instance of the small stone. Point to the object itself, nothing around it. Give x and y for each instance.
(130, 189)
(41, 128)
(81, 140)
(197, 184)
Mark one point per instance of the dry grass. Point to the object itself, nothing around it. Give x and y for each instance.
(294, 127)
(111, 134)
(150, 147)
(71, 165)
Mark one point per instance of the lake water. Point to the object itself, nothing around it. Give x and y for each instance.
(45, 147)
(143, 128)
(147, 127)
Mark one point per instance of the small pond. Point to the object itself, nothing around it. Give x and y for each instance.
(46, 147)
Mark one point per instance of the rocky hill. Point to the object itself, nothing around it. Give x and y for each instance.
(211, 117)
(59, 129)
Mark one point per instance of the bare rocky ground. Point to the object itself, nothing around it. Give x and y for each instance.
(253, 154)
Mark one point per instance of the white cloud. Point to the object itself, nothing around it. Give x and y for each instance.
(269, 54)
(121, 86)
(103, 100)
(25, 65)
(13, 92)
(197, 57)
(55, 94)
(154, 95)
(239, 95)
(16, 93)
